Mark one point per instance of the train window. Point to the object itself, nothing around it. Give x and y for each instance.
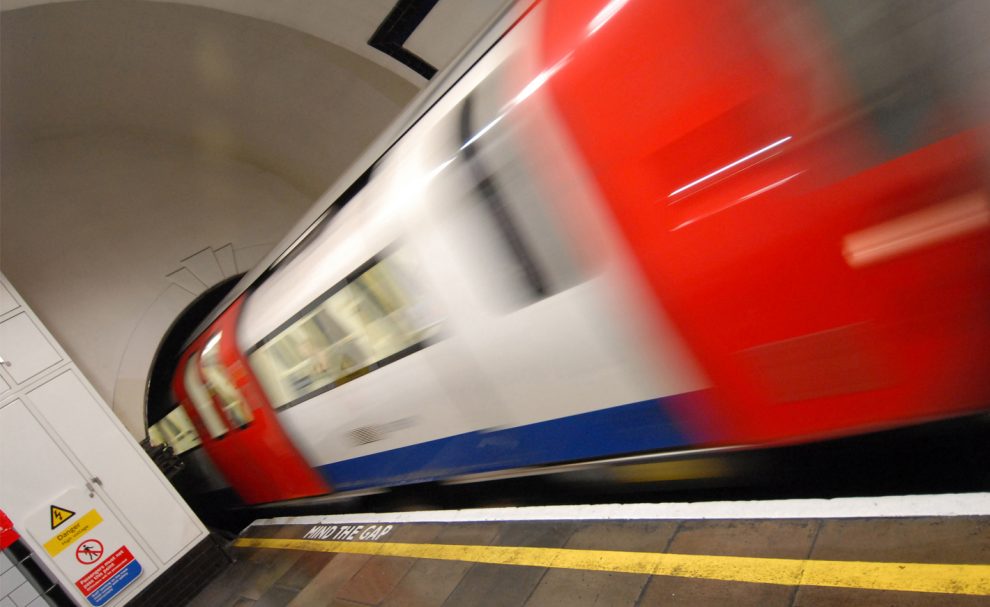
(918, 70)
(175, 430)
(201, 400)
(368, 320)
(894, 52)
(512, 198)
(219, 384)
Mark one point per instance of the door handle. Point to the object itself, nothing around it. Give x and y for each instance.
(5, 362)
(90, 485)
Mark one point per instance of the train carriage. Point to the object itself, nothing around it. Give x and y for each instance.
(631, 227)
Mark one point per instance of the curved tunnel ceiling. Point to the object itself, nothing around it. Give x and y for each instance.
(345, 23)
(441, 28)
(139, 137)
(221, 82)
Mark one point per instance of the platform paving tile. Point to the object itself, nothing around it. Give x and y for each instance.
(812, 596)
(261, 575)
(321, 590)
(276, 596)
(501, 586)
(261, 582)
(597, 588)
(226, 588)
(905, 540)
(430, 582)
(263, 557)
(381, 574)
(306, 568)
(788, 539)
(375, 580)
(956, 540)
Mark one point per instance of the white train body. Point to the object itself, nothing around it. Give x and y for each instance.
(500, 359)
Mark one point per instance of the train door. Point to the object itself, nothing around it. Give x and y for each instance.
(238, 427)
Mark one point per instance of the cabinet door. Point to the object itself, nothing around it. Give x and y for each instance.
(24, 349)
(26, 453)
(7, 301)
(35, 475)
(127, 477)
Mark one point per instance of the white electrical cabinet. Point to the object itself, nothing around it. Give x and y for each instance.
(23, 342)
(82, 493)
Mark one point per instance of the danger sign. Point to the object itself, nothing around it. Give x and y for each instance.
(69, 535)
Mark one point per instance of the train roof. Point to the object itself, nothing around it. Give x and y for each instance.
(359, 171)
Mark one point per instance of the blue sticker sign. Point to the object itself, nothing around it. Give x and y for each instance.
(107, 579)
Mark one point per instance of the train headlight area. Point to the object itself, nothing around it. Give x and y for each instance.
(858, 551)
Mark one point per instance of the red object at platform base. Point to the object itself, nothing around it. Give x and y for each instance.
(7, 534)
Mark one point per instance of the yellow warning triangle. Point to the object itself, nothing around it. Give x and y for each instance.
(60, 515)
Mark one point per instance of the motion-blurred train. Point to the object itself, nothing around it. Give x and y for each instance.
(630, 228)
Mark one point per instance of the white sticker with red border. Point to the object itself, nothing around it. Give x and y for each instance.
(107, 579)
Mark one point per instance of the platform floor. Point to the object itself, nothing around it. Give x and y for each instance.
(825, 555)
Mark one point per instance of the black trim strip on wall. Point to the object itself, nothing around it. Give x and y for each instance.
(396, 28)
(494, 203)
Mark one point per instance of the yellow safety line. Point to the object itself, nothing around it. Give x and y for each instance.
(909, 577)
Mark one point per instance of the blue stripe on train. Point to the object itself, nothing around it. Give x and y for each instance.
(636, 427)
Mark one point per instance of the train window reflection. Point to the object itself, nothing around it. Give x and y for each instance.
(910, 81)
(371, 318)
(220, 386)
(201, 400)
(175, 430)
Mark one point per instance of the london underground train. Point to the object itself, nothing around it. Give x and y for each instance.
(631, 228)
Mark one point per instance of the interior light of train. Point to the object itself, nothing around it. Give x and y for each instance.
(481, 133)
(605, 15)
(530, 88)
(731, 165)
(753, 194)
(535, 84)
(767, 188)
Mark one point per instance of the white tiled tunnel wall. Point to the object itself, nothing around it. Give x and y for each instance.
(15, 590)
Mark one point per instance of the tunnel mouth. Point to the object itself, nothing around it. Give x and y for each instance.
(158, 398)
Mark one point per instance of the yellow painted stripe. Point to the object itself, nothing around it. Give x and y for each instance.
(910, 577)
(63, 540)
